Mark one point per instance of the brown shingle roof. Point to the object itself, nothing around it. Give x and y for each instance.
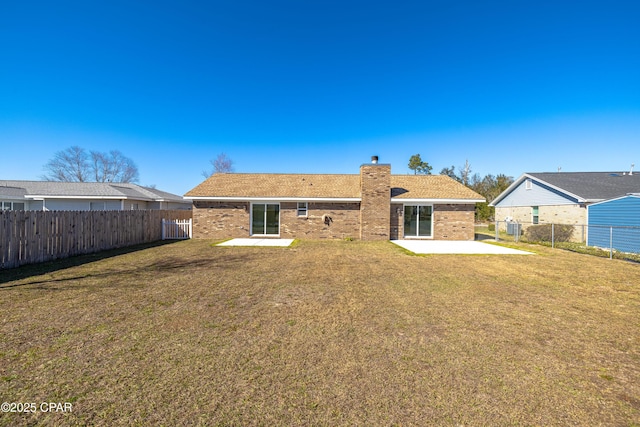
(430, 187)
(327, 186)
(278, 185)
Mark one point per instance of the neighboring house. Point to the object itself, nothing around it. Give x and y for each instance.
(615, 223)
(84, 196)
(560, 197)
(372, 205)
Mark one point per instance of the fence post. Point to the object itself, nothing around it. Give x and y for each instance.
(497, 232)
(553, 235)
(163, 232)
(610, 242)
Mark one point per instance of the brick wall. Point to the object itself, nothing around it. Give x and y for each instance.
(553, 214)
(450, 222)
(397, 222)
(221, 220)
(375, 212)
(558, 214)
(453, 222)
(345, 221)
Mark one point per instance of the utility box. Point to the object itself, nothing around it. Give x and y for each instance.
(513, 228)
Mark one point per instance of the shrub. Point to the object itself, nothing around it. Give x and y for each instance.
(491, 226)
(543, 233)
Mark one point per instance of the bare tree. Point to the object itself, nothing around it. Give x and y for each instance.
(70, 165)
(113, 167)
(75, 165)
(465, 173)
(221, 164)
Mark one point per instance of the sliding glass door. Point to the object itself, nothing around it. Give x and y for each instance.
(265, 219)
(417, 221)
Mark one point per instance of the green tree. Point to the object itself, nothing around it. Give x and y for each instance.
(450, 172)
(489, 187)
(418, 166)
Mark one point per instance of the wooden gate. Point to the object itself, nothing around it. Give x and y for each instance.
(180, 229)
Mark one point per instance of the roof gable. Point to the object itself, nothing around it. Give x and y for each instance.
(581, 187)
(535, 193)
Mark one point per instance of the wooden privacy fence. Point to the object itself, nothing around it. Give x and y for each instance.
(28, 237)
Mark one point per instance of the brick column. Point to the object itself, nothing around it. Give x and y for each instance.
(375, 208)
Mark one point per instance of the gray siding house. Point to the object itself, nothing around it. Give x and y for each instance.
(84, 196)
(561, 197)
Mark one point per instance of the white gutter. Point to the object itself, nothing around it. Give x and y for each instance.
(443, 201)
(328, 199)
(276, 199)
(35, 197)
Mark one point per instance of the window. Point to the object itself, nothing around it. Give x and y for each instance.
(528, 185)
(535, 217)
(303, 207)
(265, 219)
(11, 206)
(417, 221)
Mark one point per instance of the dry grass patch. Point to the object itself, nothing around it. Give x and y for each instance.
(324, 333)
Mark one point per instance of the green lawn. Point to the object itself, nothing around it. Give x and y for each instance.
(322, 333)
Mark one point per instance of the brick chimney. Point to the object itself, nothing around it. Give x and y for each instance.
(375, 207)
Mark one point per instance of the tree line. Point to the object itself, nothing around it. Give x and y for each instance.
(488, 186)
(75, 164)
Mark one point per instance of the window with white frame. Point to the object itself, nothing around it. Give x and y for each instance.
(303, 208)
(265, 218)
(12, 206)
(535, 217)
(418, 221)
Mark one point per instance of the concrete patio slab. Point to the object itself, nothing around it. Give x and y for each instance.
(257, 242)
(456, 247)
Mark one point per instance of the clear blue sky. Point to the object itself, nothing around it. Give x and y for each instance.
(320, 86)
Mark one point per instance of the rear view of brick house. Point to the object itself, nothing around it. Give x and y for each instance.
(371, 205)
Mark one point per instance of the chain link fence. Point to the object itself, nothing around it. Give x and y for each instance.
(613, 241)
